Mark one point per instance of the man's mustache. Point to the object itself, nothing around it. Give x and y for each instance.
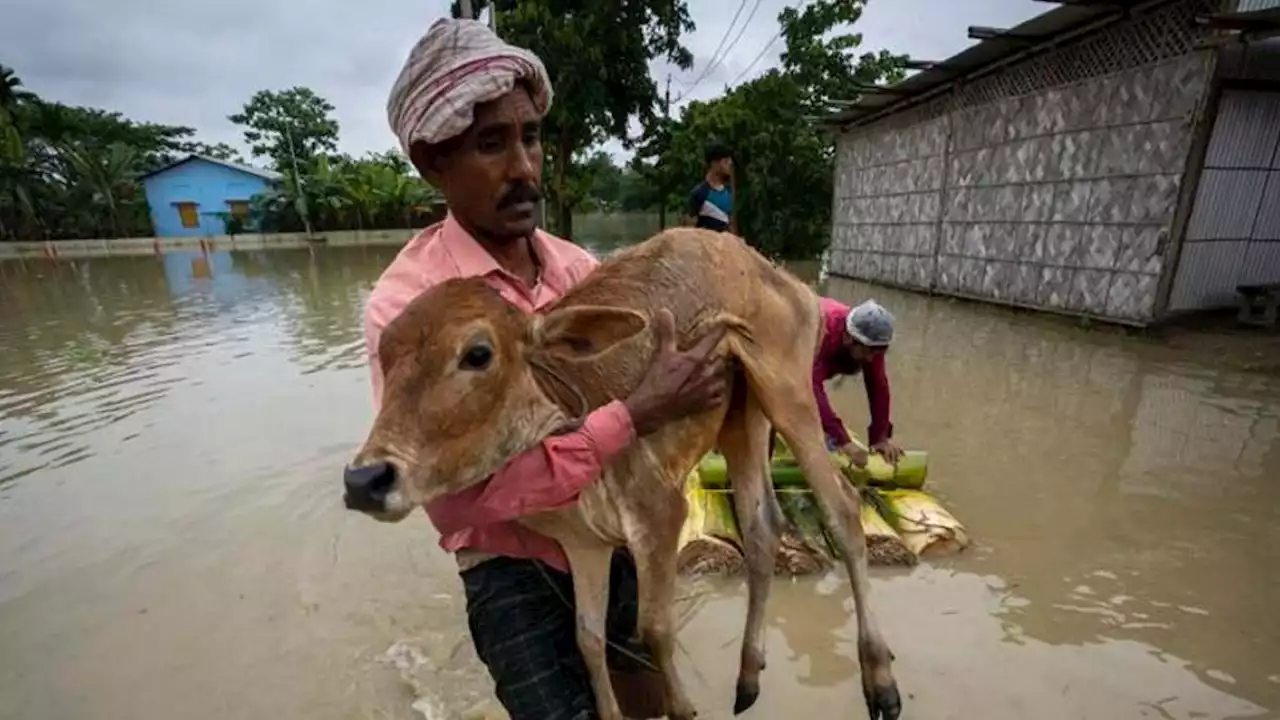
(518, 193)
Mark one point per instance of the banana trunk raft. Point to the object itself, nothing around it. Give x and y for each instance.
(902, 523)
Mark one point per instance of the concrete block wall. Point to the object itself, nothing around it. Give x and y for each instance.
(158, 246)
(888, 197)
(1060, 198)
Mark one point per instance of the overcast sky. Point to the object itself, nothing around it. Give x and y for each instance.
(184, 62)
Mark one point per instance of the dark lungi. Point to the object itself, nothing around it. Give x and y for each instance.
(522, 622)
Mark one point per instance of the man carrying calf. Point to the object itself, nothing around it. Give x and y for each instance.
(467, 109)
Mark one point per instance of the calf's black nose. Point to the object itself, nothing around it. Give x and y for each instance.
(367, 486)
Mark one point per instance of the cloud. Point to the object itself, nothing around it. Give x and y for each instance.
(193, 63)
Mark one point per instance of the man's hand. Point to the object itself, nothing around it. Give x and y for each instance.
(678, 384)
(886, 449)
(856, 455)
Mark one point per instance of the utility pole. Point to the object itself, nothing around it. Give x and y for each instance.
(297, 181)
(465, 9)
(666, 117)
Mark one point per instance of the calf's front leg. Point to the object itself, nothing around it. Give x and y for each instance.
(590, 564)
(655, 549)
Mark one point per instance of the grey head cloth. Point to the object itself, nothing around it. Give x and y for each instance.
(870, 324)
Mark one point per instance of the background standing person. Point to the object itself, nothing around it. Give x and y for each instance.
(467, 109)
(711, 202)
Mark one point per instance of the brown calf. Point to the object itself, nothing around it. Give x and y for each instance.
(471, 382)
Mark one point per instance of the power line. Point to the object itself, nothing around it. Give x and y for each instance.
(759, 57)
(716, 53)
(743, 30)
(714, 62)
(765, 49)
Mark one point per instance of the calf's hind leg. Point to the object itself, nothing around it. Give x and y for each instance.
(793, 409)
(744, 440)
(782, 383)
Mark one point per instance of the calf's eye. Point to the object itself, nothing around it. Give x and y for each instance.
(477, 357)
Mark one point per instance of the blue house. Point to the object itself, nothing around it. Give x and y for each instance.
(188, 197)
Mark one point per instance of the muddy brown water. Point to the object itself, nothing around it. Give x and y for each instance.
(172, 542)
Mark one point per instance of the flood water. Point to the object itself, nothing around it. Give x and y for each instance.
(173, 545)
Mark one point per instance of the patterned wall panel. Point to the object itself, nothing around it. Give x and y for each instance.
(887, 199)
(1061, 197)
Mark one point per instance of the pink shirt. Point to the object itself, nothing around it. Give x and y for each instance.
(550, 476)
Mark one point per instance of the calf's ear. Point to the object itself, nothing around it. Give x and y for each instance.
(581, 332)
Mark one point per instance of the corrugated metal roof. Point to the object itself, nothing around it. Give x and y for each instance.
(1250, 5)
(249, 169)
(1045, 27)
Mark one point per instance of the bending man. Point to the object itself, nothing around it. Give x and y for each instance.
(855, 341)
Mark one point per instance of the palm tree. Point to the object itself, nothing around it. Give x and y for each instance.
(327, 192)
(107, 173)
(403, 195)
(11, 96)
(11, 93)
(14, 188)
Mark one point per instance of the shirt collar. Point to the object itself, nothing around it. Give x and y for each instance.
(473, 260)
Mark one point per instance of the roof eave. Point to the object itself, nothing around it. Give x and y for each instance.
(268, 175)
(1069, 20)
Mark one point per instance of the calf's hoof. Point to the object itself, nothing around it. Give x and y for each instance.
(746, 696)
(640, 693)
(689, 714)
(883, 702)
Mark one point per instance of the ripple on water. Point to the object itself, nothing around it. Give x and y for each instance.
(62, 382)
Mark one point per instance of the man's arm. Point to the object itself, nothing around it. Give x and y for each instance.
(831, 423)
(733, 215)
(876, 380)
(693, 206)
(548, 477)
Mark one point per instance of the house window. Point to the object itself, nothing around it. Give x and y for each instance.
(187, 213)
(239, 208)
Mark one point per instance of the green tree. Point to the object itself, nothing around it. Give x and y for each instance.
(75, 171)
(783, 164)
(288, 124)
(597, 53)
(827, 65)
(54, 124)
(376, 191)
(14, 183)
(11, 96)
(107, 176)
(218, 151)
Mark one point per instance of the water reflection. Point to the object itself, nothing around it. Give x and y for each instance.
(170, 428)
(86, 344)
